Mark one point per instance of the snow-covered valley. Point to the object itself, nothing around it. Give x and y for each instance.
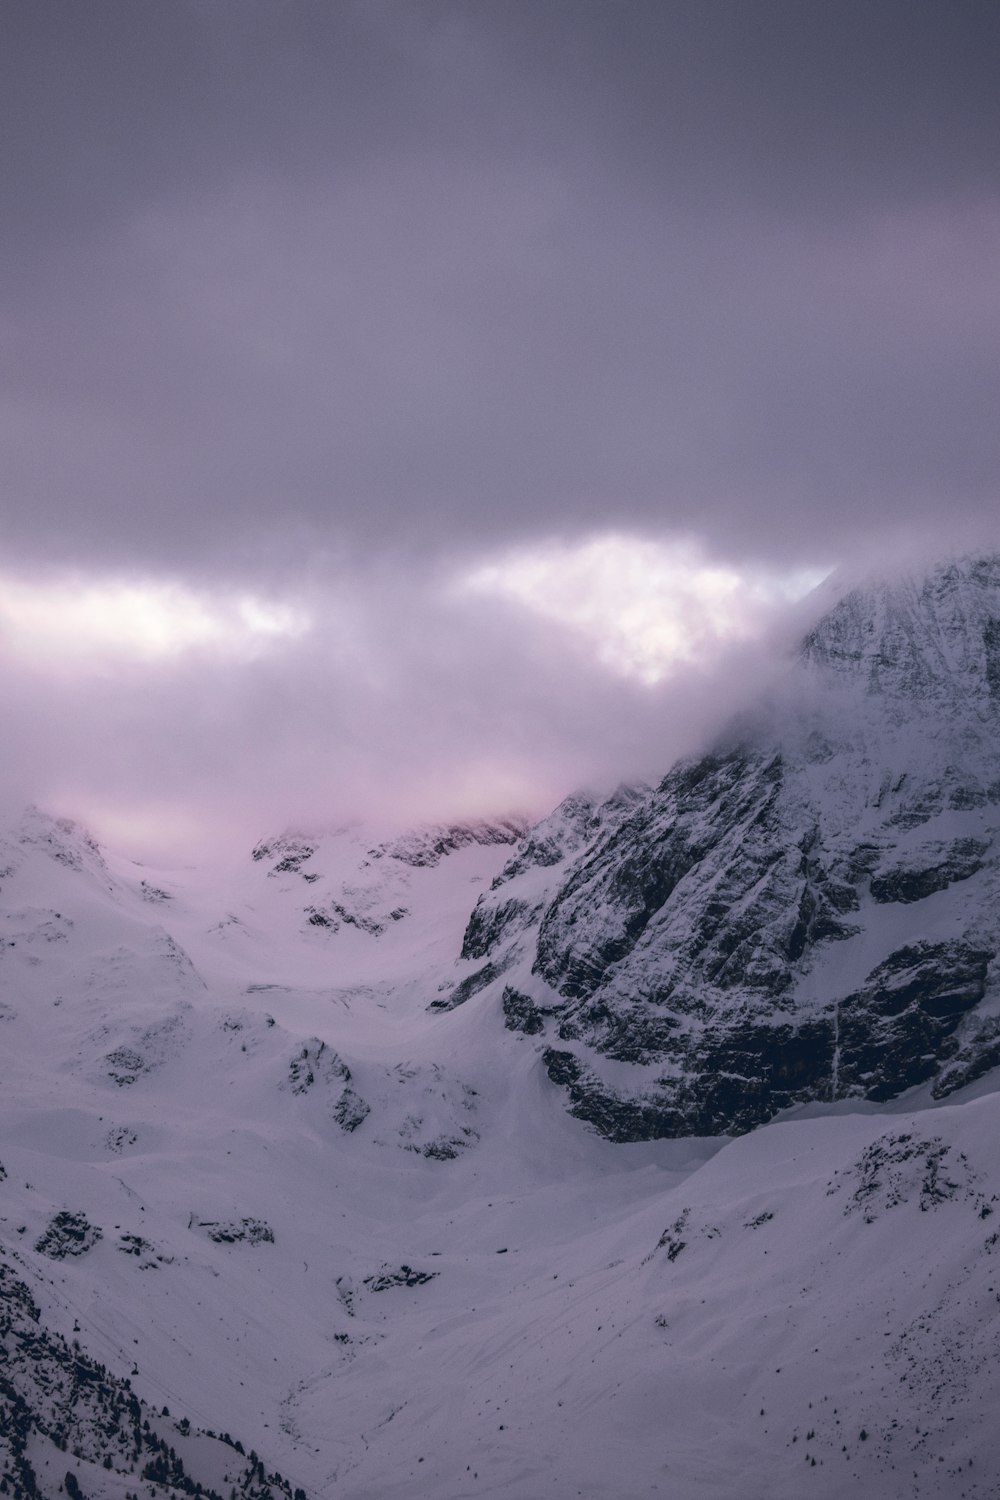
(287, 1143)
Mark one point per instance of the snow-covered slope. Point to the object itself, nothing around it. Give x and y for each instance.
(311, 1185)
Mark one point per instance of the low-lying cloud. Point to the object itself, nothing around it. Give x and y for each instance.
(339, 339)
(385, 696)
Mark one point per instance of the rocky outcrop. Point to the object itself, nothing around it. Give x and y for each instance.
(541, 855)
(897, 1029)
(387, 1278)
(235, 1231)
(425, 847)
(317, 1067)
(68, 1234)
(931, 867)
(493, 923)
(715, 874)
(617, 1117)
(520, 1013)
(290, 851)
(470, 985)
(977, 1052)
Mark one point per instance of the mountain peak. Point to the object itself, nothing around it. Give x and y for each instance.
(62, 839)
(923, 635)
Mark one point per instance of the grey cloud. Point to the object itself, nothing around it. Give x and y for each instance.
(401, 705)
(281, 279)
(329, 299)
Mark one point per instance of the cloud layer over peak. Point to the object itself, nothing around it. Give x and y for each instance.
(319, 309)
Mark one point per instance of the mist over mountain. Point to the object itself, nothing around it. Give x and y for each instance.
(638, 1151)
(805, 913)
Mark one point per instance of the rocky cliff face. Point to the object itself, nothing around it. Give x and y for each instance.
(809, 912)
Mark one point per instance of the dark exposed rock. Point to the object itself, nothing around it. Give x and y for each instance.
(68, 1234)
(762, 911)
(918, 639)
(616, 1118)
(728, 1081)
(443, 1147)
(929, 869)
(146, 1255)
(738, 1072)
(711, 870)
(550, 841)
(494, 923)
(317, 1065)
(629, 875)
(577, 821)
(944, 979)
(125, 1065)
(289, 851)
(335, 914)
(404, 1276)
(291, 863)
(350, 1110)
(862, 860)
(471, 985)
(991, 646)
(627, 1032)
(304, 1065)
(236, 1231)
(901, 1168)
(520, 1013)
(743, 1075)
(670, 1240)
(425, 847)
(897, 1029)
(978, 1053)
(153, 893)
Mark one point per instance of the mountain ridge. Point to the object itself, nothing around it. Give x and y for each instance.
(705, 913)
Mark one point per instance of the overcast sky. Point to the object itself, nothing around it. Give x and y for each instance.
(415, 403)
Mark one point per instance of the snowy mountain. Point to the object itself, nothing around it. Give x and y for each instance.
(808, 912)
(438, 1164)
